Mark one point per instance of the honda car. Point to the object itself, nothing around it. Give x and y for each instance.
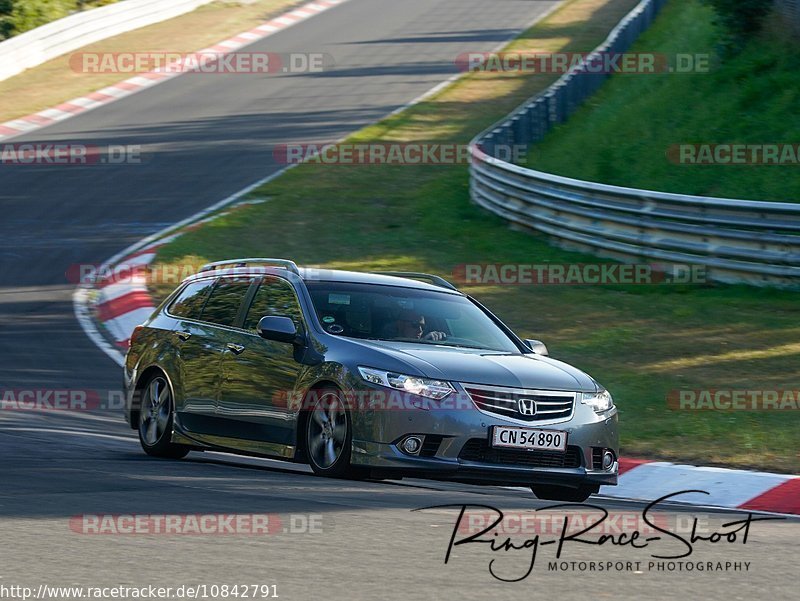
(376, 375)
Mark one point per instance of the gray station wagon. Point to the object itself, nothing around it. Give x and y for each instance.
(377, 375)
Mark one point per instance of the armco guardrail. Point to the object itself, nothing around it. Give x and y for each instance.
(65, 35)
(737, 240)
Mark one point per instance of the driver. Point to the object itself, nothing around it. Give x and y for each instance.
(410, 324)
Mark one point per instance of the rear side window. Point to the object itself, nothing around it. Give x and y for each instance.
(274, 297)
(190, 301)
(223, 305)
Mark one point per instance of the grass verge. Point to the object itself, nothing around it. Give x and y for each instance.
(54, 82)
(639, 341)
(635, 119)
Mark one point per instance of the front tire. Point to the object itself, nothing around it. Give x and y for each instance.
(329, 435)
(156, 418)
(550, 492)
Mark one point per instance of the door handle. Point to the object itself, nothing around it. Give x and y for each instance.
(236, 348)
(184, 335)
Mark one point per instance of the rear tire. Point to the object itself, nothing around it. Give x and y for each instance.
(156, 419)
(551, 492)
(329, 435)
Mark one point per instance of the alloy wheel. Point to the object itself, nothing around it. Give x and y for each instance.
(327, 431)
(154, 412)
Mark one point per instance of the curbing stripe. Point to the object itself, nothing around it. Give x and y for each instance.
(41, 120)
(21, 125)
(726, 487)
(124, 304)
(54, 114)
(84, 102)
(99, 97)
(626, 465)
(122, 326)
(69, 107)
(784, 498)
(114, 291)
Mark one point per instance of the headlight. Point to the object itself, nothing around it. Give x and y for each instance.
(599, 401)
(431, 389)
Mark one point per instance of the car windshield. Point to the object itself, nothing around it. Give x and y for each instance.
(380, 312)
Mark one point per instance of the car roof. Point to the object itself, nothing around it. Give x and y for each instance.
(311, 274)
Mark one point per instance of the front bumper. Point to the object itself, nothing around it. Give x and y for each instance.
(464, 453)
(388, 462)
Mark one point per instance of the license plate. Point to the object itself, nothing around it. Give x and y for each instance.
(529, 438)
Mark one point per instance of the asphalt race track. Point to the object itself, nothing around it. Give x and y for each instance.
(204, 138)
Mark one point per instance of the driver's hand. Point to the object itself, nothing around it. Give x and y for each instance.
(434, 336)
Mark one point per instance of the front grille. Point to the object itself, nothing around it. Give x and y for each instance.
(505, 402)
(431, 445)
(597, 458)
(478, 450)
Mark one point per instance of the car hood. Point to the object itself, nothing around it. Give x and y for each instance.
(474, 366)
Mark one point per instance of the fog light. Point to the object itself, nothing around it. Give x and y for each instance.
(608, 459)
(412, 445)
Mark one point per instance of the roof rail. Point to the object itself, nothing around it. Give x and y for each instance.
(283, 263)
(433, 279)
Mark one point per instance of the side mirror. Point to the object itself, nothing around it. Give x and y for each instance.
(280, 329)
(537, 346)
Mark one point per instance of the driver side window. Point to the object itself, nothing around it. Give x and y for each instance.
(274, 297)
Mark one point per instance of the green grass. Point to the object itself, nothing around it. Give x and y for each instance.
(639, 341)
(629, 126)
